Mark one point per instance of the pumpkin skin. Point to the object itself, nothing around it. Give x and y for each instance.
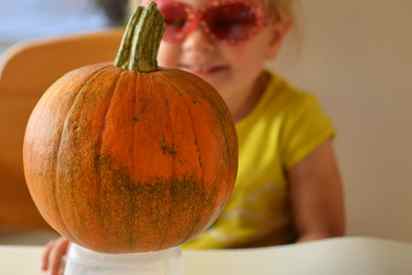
(123, 161)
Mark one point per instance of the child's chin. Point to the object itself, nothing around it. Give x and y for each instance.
(215, 78)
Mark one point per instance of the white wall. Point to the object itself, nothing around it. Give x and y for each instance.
(357, 57)
(33, 19)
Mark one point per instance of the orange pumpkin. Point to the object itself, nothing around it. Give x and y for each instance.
(130, 157)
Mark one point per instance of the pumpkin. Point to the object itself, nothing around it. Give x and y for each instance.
(130, 157)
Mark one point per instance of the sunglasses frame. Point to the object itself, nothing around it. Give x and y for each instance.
(196, 18)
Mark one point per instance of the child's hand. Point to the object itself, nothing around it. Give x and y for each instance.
(53, 255)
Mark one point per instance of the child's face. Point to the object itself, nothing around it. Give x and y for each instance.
(230, 67)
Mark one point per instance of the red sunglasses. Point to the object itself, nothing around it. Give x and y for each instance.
(232, 21)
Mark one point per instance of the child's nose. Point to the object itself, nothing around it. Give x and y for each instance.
(198, 40)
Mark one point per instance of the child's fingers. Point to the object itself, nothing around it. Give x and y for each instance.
(59, 250)
(46, 255)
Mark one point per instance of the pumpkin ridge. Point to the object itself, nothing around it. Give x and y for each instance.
(57, 152)
(98, 146)
(134, 94)
(200, 207)
(173, 166)
(135, 91)
(231, 149)
(222, 122)
(170, 83)
(145, 86)
(133, 203)
(163, 239)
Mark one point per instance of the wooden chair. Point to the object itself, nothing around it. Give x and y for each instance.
(26, 71)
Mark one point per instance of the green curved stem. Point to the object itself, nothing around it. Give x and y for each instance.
(140, 43)
(123, 54)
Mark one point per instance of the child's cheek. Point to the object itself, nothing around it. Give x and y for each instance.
(244, 58)
(169, 54)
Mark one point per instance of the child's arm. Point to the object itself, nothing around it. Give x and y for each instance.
(317, 195)
(53, 255)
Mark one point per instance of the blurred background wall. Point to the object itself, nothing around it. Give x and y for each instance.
(357, 57)
(33, 19)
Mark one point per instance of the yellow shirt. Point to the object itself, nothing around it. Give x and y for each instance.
(286, 125)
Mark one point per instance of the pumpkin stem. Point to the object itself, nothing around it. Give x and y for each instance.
(123, 54)
(146, 40)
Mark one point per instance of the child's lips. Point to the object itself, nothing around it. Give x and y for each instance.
(204, 70)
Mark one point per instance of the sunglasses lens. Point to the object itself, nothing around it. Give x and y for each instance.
(175, 16)
(232, 21)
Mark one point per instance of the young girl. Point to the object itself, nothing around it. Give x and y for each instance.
(288, 187)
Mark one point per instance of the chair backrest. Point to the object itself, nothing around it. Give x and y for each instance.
(26, 71)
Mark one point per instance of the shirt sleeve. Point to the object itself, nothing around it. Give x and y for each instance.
(306, 126)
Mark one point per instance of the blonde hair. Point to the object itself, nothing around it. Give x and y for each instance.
(291, 11)
(280, 6)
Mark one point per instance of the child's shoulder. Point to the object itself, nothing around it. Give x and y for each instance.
(286, 97)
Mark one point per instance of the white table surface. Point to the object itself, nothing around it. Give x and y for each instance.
(345, 256)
